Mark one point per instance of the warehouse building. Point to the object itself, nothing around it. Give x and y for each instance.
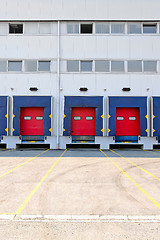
(74, 72)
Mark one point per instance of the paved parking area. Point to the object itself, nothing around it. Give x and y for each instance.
(80, 194)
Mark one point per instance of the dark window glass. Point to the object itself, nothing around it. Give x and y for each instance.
(16, 28)
(86, 28)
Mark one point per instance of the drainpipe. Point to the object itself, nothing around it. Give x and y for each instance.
(58, 95)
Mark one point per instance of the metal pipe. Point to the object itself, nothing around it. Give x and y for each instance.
(58, 76)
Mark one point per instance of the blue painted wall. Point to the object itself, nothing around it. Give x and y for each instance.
(3, 112)
(31, 101)
(96, 102)
(140, 102)
(156, 113)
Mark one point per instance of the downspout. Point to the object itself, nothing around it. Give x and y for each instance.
(58, 76)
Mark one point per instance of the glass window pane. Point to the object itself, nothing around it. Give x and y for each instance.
(44, 66)
(117, 66)
(77, 118)
(39, 118)
(72, 66)
(45, 28)
(14, 65)
(120, 118)
(27, 118)
(3, 66)
(134, 66)
(86, 66)
(89, 118)
(72, 28)
(134, 28)
(132, 118)
(30, 66)
(15, 28)
(150, 66)
(101, 66)
(149, 28)
(117, 28)
(31, 28)
(102, 28)
(86, 28)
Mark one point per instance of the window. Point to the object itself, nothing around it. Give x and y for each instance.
(120, 118)
(31, 28)
(72, 66)
(117, 28)
(135, 66)
(27, 118)
(44, 66)
(132, 118)
(30, 65)
(45, 28)
(16, 28)
(150, 66)
(89, 118)
(39, 118)
(3, 66)
(72, 28)
(15, 66)
(86, 28)
(101, 66)
(86, 66)
(134, 28)
(117, 66)
(149, 28)
(77, 118)
(102, 28)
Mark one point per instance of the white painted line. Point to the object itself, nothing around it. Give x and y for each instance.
(7, 217)
(81, 218)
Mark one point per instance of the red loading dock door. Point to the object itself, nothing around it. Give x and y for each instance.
(83, 121)
(32, 121)
(127, 122)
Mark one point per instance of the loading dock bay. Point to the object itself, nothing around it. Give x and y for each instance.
(79, 188)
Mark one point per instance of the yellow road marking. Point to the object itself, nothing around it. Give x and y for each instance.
(136, 184)
(20, 209)
(156, 150)
(4, 174)
(136, 165)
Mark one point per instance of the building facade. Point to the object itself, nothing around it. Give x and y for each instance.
(80, 72)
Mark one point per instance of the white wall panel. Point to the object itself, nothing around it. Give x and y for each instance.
(80, 9)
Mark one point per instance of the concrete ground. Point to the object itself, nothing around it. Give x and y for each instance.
(79, 194)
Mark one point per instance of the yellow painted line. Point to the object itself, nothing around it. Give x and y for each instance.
(23, 205)
(4, 174)
(156, 150)
(136, 165)
(136, 184)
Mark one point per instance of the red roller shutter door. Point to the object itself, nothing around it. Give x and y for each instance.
(83, 121)
(127, 121)
(32, 121)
